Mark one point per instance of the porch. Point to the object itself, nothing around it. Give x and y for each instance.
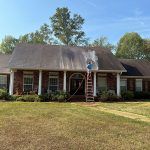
(43, 81)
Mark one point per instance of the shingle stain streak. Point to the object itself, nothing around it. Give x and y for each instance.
(52, 57)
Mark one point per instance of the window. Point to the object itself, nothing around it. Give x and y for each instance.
(123, 84)
(138, 85)
(102, 84)
(28, 83)
(53, 81)
(3, 81)
(148, 85)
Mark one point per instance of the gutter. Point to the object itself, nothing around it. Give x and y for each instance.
(136, 77)
(111, 71)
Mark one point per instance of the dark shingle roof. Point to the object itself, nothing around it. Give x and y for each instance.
(136, 67)
(52, 57)
(4, 61)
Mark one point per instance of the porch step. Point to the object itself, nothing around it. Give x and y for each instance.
(89, 99)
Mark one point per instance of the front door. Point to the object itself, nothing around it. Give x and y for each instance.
(77, 85)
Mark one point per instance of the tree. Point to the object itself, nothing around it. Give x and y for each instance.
(103, 42)
(130, 46)
(66, 28)
(41, 36)
(8, 44)
(147, 48)
(46, 33)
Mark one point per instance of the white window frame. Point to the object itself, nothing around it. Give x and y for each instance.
(53, 76)
(98, 87)
(125, 84)
(141, 87)
(4, 81)
(28, 75)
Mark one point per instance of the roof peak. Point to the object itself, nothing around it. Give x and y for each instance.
(69, 46)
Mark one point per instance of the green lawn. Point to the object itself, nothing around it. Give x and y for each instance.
(140, 108)
(67, 126)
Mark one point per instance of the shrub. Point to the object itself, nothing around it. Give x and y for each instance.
(4, 95)
(59, 96)
(29, 98)
(142, 95)
(104, 95)
(45, 97)
(127, 95)
(14, 97)
(108, 96)
(32, 93)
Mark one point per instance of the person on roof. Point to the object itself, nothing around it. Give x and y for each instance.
(89, 68)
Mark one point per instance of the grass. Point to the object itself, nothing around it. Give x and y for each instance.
(64, 126)
(140, 108)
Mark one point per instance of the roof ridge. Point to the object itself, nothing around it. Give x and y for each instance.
(69, 46)
(133, 59)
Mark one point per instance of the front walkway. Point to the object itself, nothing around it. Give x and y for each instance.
(117, 112)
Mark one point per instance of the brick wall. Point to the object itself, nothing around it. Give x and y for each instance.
(45, 76)
(69, 75)
(131, 84)
(111, 81)
(8, 81)
(146, 85)
(18, 81)
(35, 81)
(45, 80)
(61, 80)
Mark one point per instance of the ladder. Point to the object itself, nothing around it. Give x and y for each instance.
(89, 89)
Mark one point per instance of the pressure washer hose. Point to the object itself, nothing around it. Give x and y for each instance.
(76, 90)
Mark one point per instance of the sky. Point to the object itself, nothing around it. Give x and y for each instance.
(110, 18)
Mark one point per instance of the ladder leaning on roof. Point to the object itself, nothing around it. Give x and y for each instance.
(89, 89)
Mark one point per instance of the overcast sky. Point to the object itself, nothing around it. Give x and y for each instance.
(111, 18)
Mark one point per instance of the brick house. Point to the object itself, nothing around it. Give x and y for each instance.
(44, 68)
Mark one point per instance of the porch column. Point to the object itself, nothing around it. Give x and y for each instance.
(94, 83)
(64, 83)
(118, 84)
(40, 83)
(11, 85)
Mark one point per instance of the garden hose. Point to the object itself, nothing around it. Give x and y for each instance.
(76, 90)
